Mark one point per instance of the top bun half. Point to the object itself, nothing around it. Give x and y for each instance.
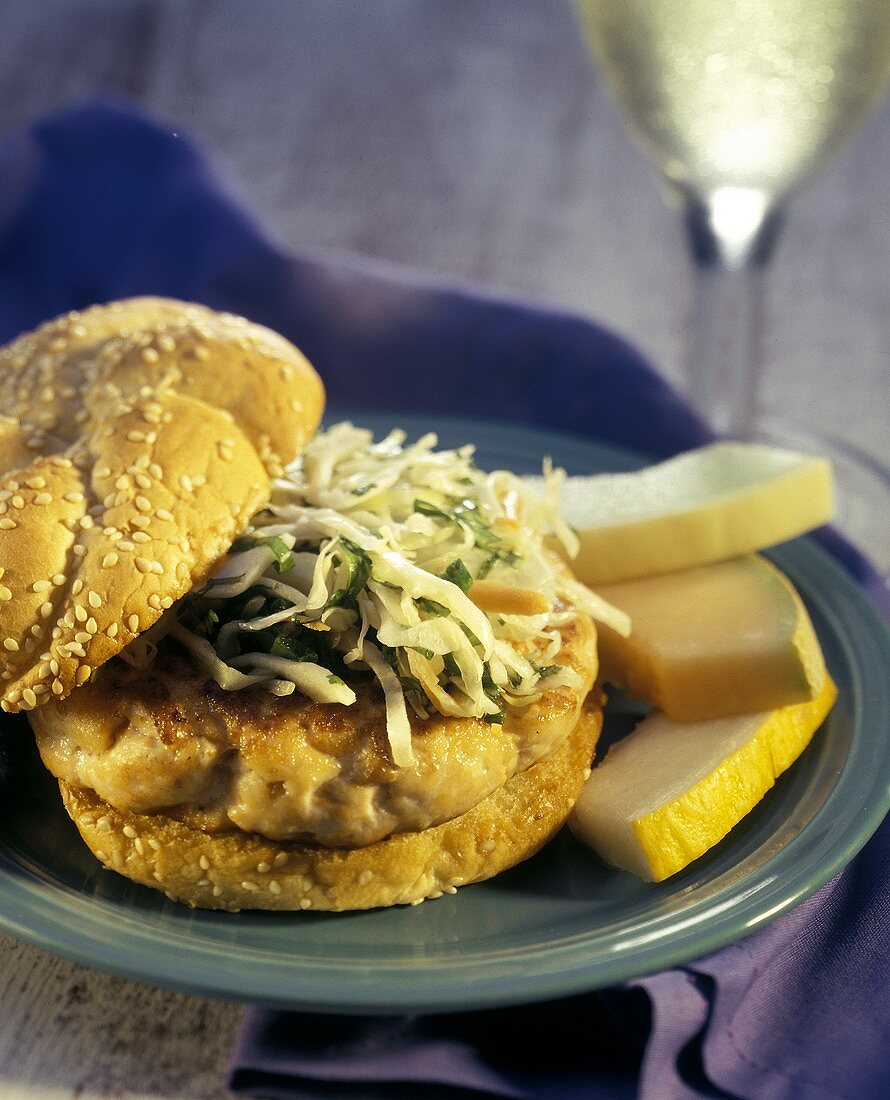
(136, 441)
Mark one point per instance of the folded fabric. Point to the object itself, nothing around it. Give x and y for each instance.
(101, 202)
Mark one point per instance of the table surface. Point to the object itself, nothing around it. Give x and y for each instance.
(471, 139)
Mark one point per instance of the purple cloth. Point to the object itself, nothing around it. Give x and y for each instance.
(99, 203)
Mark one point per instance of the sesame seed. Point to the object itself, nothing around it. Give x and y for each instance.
(81, 637)
(141, 536)
(274, 886)
(7, 524)
(122, 483)
(43, 498)
(80, 613)
(201, 352)
(29, 697)
(94, 599)
(280, 859)
(83, 674)
(129, 831)
(92, 626)
(46, 609)
(143, 565)
(364, 878)
(305, 903)
(74, 498)
(154, 600)
(251, 886)
(217, 890)
(58, 578)
(11, 644)
(109, 560)
(262, 867)
(87, 522)
(75, 649)
(155, 845)
(133, 623)
(5, 593)
(157, 568)
(125, 545)
(143, 481)
(79, 550)
(149, 355)
(155, 470)
(164, 513)
(36, 482)
(54, 666)
(112, 630)
(136, 437)
(143, 503)
(41, 586)
(204, 863)
(77, 587)
(18, 501)
(489, 846)
(156, 876)
(102, 472)
(203, 882)
(141, 521)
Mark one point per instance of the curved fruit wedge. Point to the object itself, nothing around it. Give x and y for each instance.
(706, 505)
(669, 791)
(722, 639)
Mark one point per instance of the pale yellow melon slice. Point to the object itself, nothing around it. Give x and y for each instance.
(670, 791)
(722, 639)
(706, 505)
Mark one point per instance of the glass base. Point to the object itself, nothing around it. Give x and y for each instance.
(862, 482)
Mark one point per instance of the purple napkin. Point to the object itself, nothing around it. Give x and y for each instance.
(101, 202)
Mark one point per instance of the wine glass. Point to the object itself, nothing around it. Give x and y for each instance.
(736, 103)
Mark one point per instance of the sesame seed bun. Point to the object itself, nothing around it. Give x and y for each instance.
(235, 870)
(136, 441)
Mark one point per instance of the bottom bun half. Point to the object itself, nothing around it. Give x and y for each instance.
(236, 870)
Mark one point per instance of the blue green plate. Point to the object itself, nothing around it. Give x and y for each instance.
(559, 924)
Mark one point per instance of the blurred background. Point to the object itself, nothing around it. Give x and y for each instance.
(474, 139)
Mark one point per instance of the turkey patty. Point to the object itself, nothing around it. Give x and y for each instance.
(167, 739)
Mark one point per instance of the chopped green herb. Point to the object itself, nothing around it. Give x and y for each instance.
(451, 665)
(470, 635)
(458, 574)
(334, 679)
(428, 653)
(549, 670)
(358, 570)
(284, 558)
(427, 509)
(505, 556)
(362, 489)
(431, 607)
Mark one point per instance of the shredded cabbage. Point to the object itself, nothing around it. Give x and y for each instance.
(365, 559)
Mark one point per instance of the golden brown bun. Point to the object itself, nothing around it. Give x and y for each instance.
(235, 870)
(136, 441)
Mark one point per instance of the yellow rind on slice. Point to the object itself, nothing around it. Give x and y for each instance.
(729, 638)
(709, 504)
(670, 791)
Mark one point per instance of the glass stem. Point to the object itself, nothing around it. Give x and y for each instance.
(731, 245)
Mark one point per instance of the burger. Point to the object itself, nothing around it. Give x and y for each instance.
(273, 667)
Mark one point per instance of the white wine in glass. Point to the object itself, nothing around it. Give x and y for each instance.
(737, 103)
(754, 94)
